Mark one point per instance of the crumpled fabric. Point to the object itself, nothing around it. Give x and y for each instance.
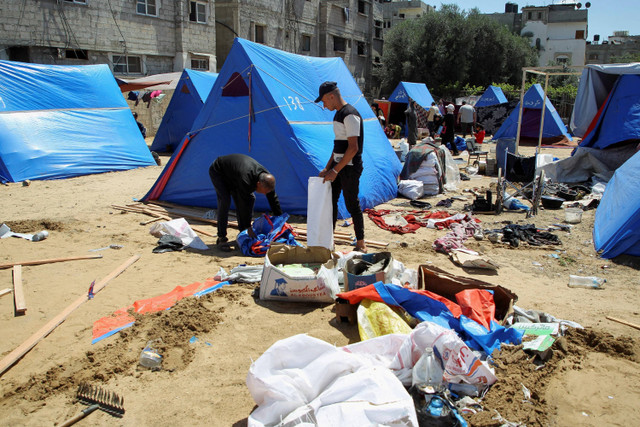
(445, 202)
(268, 230)
(514, 234)
(168, 243)
(455, 239)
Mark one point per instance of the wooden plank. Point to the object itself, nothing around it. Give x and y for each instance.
(624, 322)
(23, 348)
(18, 292)
(5, 291)
(49, 261)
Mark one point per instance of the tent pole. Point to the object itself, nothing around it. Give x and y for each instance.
(544, 105)
(524, 78)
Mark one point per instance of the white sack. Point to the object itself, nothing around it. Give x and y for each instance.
(319, 214)
(410, 189)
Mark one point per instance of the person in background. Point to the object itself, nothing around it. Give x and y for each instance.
(143, 130)
(479, 134)
(344, 168)
(431, 115)
(448, 132)
(412, 123)
(237, 176)
(467, 118)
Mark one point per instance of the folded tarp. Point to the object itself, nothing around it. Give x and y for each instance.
(121, 319)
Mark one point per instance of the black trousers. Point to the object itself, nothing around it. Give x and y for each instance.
(244, 204)
(348, 182)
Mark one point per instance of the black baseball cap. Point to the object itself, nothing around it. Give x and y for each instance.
(325, 88)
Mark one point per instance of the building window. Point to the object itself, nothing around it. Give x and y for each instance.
(401, 15)
(529, 15)
(360, 48)
(76, 54)
(127, 64)
(199, 63)
(593, 56)
(579, 34)
(378, 33)
(259, 34)
(76, 1)
(540, 15)
(339, 44)
(306, 43)
(362, 8)
(376, 59)
(146, 7)
(198, 12)
(562, 59)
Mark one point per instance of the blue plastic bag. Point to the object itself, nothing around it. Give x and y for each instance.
(268, 230)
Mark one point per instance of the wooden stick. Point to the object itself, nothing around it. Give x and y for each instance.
(624, 322)
(49, 261)
(23, 348)
(150, 221)
(5, 291)
(18, 293)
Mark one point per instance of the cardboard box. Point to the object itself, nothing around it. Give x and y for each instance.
(448, 285)
(354, 281)
(276, 284)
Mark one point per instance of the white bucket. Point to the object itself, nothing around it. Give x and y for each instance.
(573, 215)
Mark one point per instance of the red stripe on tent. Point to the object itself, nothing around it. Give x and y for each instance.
(157, 189)
(594, 122)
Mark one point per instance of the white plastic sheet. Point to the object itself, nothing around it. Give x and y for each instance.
(179, 228)
(319, 214)
(305, 381)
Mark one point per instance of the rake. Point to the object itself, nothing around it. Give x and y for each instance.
(98, 398)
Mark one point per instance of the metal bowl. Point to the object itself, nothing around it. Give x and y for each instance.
(552, 202)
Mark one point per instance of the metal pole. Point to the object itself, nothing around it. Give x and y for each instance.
(544, 105)
(524, 78)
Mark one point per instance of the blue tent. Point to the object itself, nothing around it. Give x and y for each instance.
(492, 96)
(190, 95)
(618, 119)
(416, 91)
(554, 129)
(616, 229)
(262, 105)
(64, 121)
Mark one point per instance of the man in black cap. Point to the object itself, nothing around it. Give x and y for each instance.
(238, 176)
(344, 167)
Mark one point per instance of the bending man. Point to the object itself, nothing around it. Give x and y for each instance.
(344, 167)
(237, 176)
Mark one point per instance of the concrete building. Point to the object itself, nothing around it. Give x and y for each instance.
(619, 45)
(394, 12)
(559, 32)
(135, 37)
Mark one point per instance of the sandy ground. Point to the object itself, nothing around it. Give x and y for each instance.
(591, 379)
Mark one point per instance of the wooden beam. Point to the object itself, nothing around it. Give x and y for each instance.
(5, 291)
(49, 261)
(23, 348)
(18, 293)
(624, 322)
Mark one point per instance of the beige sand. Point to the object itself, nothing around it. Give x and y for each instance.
(593, 383)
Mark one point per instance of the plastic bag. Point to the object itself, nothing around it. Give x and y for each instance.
(269, 230)
(451, 172)
(376, 319)
(403, 145)
(179, 228)
(319, 213)
(411, 189)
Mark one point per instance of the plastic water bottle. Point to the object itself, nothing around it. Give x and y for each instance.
(590, 282)
(149, 356)
(40, 236)
(436, 405)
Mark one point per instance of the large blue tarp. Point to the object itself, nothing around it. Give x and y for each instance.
(65, 121)
(190, 95)
(616, 229)
(492, 96)
(619, 119)
(262, 105)
(532, 106)
(416, 91)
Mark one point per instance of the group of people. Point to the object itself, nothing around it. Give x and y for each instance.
(238, 176)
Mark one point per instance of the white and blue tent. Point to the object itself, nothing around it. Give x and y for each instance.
(492, 96)
(188, 98)
(262, 105)
(65, 121)
(553, 130)
(416, 91)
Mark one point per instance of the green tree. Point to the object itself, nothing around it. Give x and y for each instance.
(450, 49)
(627, 57)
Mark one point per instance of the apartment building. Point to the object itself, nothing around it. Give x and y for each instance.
(135, 37)
(617, 46)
